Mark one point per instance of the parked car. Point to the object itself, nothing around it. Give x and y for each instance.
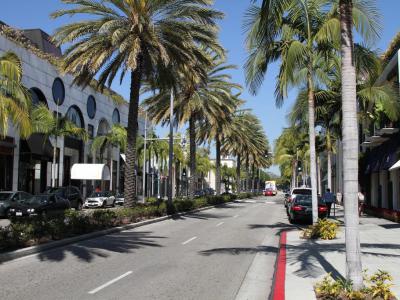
(209, 191)
(294, 193)
(301, 209)
(71, 193)
(7, 199)
(100, 199)
(40, 205)
(119, 199)
(199, 193)
(268, 192)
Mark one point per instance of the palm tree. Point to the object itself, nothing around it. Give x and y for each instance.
(135, 37)
(350, 134)
(302, 34)
(116, 137)
(199, 99)
(50, 125)
(15, 100)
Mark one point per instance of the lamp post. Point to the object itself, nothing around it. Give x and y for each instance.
(144, 158)
(171, 150)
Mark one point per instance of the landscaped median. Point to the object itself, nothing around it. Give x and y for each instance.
(27, 232)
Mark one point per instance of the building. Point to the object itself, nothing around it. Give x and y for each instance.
(27, 164)
(380, 165)
(210, 179)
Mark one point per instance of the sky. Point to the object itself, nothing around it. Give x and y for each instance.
(25, 14)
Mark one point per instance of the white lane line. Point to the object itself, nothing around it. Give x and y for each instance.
(219, 224)
(110, 283)
(189, 240)
(235, 216)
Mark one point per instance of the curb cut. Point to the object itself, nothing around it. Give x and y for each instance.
(278, 292)
(9, 256)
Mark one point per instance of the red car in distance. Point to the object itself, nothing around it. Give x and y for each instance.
(268, 192)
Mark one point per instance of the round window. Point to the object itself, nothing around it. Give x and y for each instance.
(58, 91)
(115, 117)
(74, 115)
(91, 107)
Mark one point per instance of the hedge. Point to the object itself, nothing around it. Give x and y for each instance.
(24, 232)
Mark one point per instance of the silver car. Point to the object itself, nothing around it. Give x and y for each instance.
(119, 199)
(99, 199)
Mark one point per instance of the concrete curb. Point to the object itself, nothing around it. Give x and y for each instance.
(8, 256)
(278, 283)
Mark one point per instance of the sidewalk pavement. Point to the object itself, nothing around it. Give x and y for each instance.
(308, 261)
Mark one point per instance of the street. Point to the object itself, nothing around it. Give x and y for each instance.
(222, 253)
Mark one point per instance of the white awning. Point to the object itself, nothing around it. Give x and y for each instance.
(123, 157)
(395, 166)
(90, 172)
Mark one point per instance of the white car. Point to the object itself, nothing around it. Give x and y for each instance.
(119, 199)
(100, 199)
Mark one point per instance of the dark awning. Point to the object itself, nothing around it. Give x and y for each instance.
(38, 144)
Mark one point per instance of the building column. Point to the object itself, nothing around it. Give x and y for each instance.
(384, 185)
(374, 189)
(118, 170)
(394, 177)
(16, 163)
(61, 161)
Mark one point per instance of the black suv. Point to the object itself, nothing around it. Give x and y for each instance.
(71, 193)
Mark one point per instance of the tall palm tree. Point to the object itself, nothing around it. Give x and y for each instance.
(135, 37)
(116, 137)
(45, 122)
(15, 100)
(302, 34)
(198, 100)
(350, 134)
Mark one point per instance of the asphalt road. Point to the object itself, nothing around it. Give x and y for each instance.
(221, 253)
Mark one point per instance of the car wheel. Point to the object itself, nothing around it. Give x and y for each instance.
(104, 204)
(113, 204)
(7, 214)
(80, 206)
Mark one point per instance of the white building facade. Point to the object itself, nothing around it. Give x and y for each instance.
(27, 164)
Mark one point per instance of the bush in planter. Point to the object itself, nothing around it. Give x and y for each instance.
(183, 205)
(324, 229)
(378, 287)
(200, 202)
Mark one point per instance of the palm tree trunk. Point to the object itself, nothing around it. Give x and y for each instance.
(238, 181)
(192, 150)
(311, 131)
(218, 165)
(350, 148)
(294, 174)
(130, 168)
(329, 166)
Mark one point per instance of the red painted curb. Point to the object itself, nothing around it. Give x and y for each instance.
(280, 273)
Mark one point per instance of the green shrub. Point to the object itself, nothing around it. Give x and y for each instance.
(200, 202)
(103, 218)
(378, 287)
(183, 205)
(77, 222)
(324, 229)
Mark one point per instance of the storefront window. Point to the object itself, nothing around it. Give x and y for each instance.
(75, 116)
(115, 117)
(58, 90)
(91, 107)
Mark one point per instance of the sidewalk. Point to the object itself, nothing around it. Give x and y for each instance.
(308, 261)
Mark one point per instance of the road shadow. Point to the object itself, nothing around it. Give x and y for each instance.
(239, 250)
(280, 226)
(390, 226)
(204, 216)
(87, 251)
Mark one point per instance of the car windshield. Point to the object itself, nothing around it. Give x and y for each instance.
(37, 199)
(120, 195)
(98, 194)
(302, 192)
(5, 196)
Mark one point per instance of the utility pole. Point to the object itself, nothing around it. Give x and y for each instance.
(144, 158)
(54, 172)
(171, 149)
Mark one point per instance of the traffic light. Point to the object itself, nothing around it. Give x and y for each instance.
(299, 166)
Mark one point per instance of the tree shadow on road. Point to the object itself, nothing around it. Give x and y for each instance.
(280, 226)
(239, 250)
(87, 251)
